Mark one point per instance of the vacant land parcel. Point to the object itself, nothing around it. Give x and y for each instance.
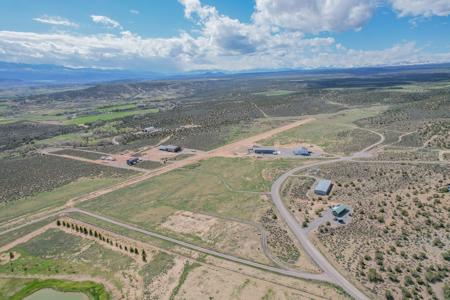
(50, 181)
(335, 133)
(224, 196)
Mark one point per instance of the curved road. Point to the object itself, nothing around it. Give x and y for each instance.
(302, 236)
(329, 270)
(292, 273)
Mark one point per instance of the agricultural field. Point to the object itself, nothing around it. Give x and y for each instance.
(108, 116)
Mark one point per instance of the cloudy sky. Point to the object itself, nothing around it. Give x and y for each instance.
(233, 35)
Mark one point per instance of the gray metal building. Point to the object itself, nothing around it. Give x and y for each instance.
(170, 148)
(265, 150)
(302, 151)
(323, 187)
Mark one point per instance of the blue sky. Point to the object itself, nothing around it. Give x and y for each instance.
(184, 35)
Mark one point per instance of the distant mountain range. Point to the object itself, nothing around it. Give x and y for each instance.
(29, 74)
(17, 74)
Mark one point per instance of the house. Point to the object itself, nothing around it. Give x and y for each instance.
(170, 148)
(340, 210)
(302, 151)
(323, 188)
(266, 150)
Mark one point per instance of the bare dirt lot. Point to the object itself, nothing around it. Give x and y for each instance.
(232, 237)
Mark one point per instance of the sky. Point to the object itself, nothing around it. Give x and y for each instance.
(228, 35)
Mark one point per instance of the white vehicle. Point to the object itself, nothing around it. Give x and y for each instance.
(108, 158)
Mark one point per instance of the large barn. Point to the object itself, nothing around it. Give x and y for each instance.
(170, 148)
(265, 150)
(323, 188)
(302, 151)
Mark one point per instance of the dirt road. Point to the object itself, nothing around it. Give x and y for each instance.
(288, 272)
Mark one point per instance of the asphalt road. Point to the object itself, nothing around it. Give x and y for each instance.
(330, 274)
(302, 236)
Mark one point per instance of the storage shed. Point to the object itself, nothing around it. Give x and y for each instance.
(170, 148)
(265, 150)
(302, 151)
(323, 187)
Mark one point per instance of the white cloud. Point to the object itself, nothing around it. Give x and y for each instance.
(106, 21)
(59, 21)
(314, 16)
(221, 42)
(425, 8)
(134, 11)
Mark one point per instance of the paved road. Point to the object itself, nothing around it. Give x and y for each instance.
(330, 273)
(302, 236)
(292, 273)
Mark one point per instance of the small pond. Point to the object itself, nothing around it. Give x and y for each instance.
(50, 294)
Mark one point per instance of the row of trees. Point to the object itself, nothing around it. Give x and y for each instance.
(93, 233)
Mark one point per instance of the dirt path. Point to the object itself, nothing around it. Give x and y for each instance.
(261, 111)
(114, 140)
(27, 237)
(288, 272)
(240, 147)
(226, 150)
(97, 162)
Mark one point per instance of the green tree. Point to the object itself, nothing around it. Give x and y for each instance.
(373, 275)
(446, 255)
(389, 295)
(446, 290)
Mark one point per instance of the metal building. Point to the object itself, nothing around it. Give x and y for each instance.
(170, 148)
(266, 150)
(323, 187)
(339, 210)
(302, 151)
